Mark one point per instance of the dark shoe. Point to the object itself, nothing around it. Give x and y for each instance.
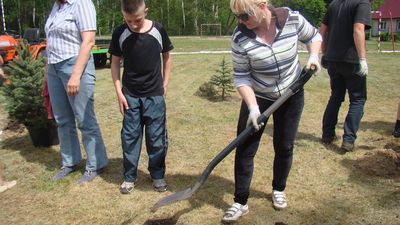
(328, 140)
(126, 187)
(348, 147)
(159, 185)
(65, 170)
(396, 133)
(89, 176)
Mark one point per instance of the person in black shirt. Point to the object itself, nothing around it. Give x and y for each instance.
(343, 33)
(141, 95)
(396, 131)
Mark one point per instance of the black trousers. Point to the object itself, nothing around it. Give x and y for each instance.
(286, 121)
(343, 78)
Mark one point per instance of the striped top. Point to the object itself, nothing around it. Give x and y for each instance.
(64, 26)
(271, 69)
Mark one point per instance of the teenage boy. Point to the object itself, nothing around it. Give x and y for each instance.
(141, 95)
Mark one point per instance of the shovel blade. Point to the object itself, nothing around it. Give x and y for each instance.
(178, 196)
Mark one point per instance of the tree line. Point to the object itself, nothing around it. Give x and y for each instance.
(180, 17)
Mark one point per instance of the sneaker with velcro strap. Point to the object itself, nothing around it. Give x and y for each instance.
(279, 199)
(235, 212)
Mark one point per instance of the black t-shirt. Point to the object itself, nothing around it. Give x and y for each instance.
(340, 18)
(142, 75)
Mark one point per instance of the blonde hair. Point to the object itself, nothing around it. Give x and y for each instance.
(247, 6)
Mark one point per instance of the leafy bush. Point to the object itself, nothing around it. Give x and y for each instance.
(367, 36)
(397, 36)
(385, 36)
(312, 10)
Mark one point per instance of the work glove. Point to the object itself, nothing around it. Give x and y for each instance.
(254, 113)
(324, 63)
(363, 71)
(314, 60)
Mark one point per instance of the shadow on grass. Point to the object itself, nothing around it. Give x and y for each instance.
(373, 171)
(211, 193)
(382, 127)
(23, 144)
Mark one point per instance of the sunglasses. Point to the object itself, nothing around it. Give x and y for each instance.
(243, 17)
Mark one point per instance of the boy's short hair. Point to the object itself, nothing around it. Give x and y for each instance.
(131, 6)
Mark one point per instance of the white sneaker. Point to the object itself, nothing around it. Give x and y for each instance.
(235, 211)
(279, 199)
(7, 185)
(126, 187)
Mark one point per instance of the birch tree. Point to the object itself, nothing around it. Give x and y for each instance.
(183, 17)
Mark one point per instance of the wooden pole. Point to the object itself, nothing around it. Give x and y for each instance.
(391, 29)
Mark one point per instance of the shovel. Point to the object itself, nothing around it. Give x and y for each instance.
(187, 193)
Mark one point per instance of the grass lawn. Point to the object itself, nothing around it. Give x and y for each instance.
(325, 186)
(190, 44)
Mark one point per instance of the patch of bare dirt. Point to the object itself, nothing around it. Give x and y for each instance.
(9, 128)
(383, 163)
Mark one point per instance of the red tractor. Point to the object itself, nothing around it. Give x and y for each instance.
(9, 41)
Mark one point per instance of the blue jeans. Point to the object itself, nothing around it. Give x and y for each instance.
(72, 111)
(148, 112)
(343, 78)
(286, 121)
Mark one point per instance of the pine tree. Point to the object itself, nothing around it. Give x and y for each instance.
(23, 98)
(223, 79)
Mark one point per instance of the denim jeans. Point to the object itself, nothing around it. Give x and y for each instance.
(148, 113)
(286, 121)
(72, 111)
(343, 78)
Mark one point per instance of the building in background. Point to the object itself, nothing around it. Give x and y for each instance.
(388, 7)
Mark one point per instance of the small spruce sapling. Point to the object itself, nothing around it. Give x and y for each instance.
(222, 80)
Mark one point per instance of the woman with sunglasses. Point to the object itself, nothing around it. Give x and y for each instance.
(266, 62)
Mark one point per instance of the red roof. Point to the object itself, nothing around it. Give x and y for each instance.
(388, 6)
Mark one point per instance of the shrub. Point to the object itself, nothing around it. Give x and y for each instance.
(397, 36)
(385, 36)
(367, 36)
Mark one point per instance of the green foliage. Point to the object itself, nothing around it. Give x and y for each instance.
(375, 4)
(180, 17)
(367, 36)
(397, 37)
(222, 80)
(385, 36)
(312, 10)
(23, 99)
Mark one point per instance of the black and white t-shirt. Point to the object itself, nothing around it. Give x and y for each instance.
(142, 75)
